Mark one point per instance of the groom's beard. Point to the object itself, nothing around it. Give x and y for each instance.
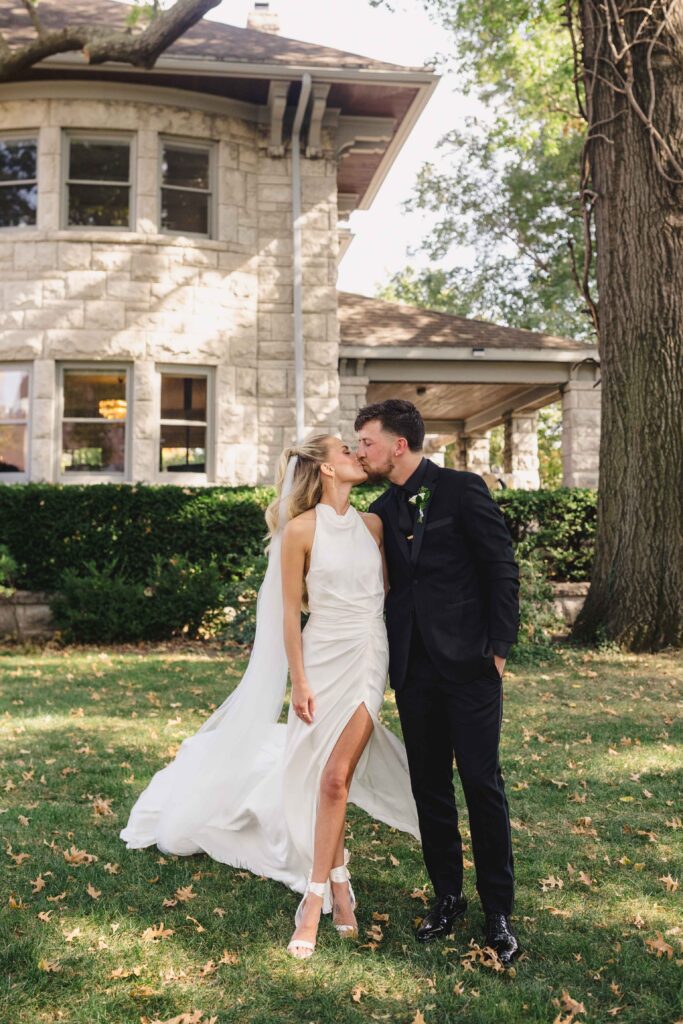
(380, 474)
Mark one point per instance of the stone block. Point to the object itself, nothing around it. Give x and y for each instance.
(44, 382)
(33, 256)
(113, 260)
(144, 382)
(133, 293)
(196, 257)
(272, 382)
(105, 314)
(56, 315)
(22, 295)
(48, 210)
(86, 284)
(245, 383)
(149, 267)
(43, 419)
(74, 255)
(21, 344)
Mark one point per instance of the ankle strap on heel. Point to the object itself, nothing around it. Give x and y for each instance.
(317, 888)
(341, 873)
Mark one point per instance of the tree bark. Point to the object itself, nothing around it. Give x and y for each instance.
(100, 44)
(636, 593)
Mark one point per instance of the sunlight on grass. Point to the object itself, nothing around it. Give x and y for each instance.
(596, 837)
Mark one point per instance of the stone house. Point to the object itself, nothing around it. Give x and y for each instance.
(169, 242)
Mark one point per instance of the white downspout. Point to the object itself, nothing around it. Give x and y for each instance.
(296, 239)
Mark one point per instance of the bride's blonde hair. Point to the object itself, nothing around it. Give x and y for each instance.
(307, 485)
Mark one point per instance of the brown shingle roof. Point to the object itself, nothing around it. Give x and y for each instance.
(375, 323)
(208, 40)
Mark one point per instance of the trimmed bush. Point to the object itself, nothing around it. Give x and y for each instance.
(104, 605)
(51, 528)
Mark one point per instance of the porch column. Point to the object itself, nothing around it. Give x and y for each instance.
(520, 455)
(580, 433)
(476, 453)
(352, 396)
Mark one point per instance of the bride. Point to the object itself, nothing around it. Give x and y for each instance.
(269, 797)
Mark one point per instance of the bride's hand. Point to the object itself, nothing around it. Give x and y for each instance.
(303, 703)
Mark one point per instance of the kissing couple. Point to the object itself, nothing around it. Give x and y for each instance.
(433, 553)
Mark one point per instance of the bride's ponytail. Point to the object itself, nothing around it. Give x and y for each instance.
(307, 485)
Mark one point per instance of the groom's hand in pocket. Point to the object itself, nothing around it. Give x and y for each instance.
(500, 664)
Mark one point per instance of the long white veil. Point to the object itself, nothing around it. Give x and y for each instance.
(259, 697)
(208, 782)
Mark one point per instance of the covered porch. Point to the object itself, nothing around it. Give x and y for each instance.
(468, 376)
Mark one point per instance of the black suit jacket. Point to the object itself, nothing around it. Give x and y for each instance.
(458, 577)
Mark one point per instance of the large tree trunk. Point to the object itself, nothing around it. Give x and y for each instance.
(636, 593)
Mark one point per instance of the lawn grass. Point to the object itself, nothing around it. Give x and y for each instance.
(593, 772)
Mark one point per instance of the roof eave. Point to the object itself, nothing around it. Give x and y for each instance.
(425, 81)
(242, 69)
(460, 350)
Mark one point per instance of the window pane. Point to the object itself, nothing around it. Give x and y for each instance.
(17, 159)
(183, 449)
(13, 395)
(99, 161)
(93, 447)
(188, 167)
(99, 205)
(13, 448)
(95, 395)
(18, 205)
(183, 398)
(185, 211)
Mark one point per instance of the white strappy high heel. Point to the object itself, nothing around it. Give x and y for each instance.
(341, 874)
(318, 889)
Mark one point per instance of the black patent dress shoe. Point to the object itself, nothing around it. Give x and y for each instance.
(439, 920)
(499, 936)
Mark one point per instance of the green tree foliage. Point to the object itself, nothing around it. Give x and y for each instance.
(507, 185)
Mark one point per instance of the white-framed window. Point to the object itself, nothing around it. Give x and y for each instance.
(15, 410)
(98, 179)
(185, 418)
(187, 188)
(18, 179)
(94, 416)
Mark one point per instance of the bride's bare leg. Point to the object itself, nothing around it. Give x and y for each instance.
(334, 790)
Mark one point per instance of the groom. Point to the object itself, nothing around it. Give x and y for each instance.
(452, 615)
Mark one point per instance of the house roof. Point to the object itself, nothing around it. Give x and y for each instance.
(207, 40)
(376, 324)
(239, 64)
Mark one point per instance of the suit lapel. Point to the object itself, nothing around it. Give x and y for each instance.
(431, 479)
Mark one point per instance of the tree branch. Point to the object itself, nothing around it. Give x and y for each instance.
(33, 15)
(99, 44)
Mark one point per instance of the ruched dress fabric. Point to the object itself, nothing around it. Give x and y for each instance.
(269, 826)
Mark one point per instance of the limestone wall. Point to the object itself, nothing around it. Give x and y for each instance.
(147, 298)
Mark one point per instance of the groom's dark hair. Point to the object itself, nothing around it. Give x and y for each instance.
(398, 417)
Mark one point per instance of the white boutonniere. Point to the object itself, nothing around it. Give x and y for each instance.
(420, 501)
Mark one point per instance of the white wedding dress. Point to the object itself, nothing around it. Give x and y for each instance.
(248, 796)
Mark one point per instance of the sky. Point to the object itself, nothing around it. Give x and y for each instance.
(382, 234)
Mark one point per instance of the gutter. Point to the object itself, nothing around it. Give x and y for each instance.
(306, 85)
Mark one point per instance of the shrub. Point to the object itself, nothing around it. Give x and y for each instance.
(104, 605)
(558, 525)
(8, 571)
(538, 619)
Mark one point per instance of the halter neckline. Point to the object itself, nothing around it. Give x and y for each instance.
(333, 514)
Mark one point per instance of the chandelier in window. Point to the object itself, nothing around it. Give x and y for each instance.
(112, 408)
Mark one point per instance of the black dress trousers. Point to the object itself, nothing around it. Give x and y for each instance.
(441, 718)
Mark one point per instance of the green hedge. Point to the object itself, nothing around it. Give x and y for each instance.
(557, 525)
(52, 528)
